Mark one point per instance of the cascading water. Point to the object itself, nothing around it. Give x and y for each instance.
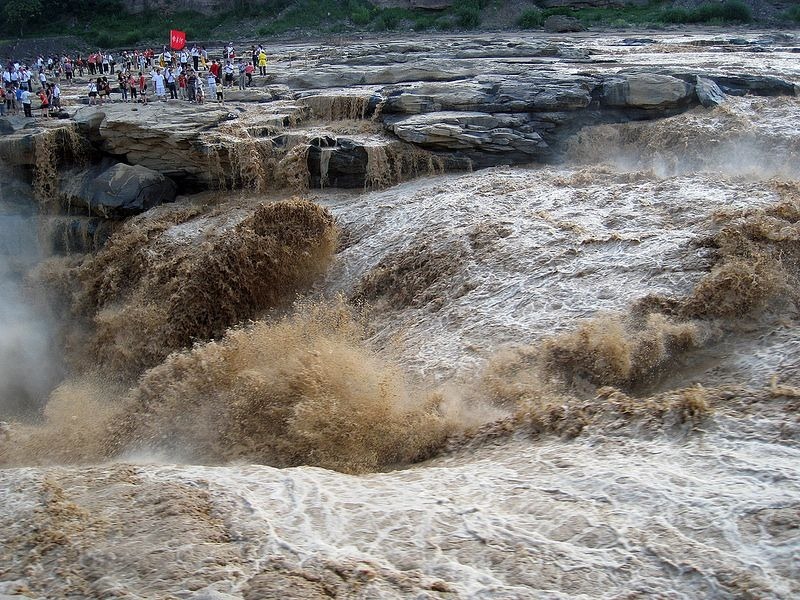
(572, 381)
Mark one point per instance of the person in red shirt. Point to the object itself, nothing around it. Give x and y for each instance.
(214, 68)
(45, 104)
(142, 88)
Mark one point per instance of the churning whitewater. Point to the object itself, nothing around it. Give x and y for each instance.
(578, 380)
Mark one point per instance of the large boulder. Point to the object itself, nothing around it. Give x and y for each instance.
(118, 191)
(503, 134)
(647, 90)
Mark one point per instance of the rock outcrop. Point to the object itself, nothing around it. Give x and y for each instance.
(562, 24)
(361, 115)
(118, 191)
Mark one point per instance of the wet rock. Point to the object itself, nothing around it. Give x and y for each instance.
(760, 85)
(647, 90)
(76, 234)
(562, 24)
(118, 191)
(708, 92)
(337, 163)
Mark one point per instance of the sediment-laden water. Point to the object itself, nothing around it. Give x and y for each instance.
(573, 381)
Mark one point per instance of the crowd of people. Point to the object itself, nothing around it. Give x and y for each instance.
(136, 75)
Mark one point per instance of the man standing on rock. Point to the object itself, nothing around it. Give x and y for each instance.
(242, 76)
(55, 96)
(195, 57)
(158, 84)
(170, 77)
(228, 70)
(25, 98)
(191, 86)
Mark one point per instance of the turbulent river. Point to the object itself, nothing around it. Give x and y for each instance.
(616, 387)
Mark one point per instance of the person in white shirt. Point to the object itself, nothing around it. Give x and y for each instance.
(158, 84)
(56, 96)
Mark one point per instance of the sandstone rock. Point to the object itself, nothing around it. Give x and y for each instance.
(471, 131)
(647, 90)
(708, 92)
(562, 24)
(118, 191)
(491, 94)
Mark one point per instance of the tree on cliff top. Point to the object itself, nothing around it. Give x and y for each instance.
(19, 12)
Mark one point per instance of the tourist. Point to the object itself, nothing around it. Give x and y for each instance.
(42, 80)
(195, 53)
(249, 70)
(102, 89)
(184, 59)
(105, 61)
(3, 98)
(214, 69)
(182, 86)
(92, 88)
(25, 79)
(55, 96)
(171, 84)
(24, 96)
(142, 88)
(132, 87)
(68, 68)
(262, 63)
(201, 95)
(158, 84)
(204, 57)
(228, 70)
(191, 86)
(11, 101)
(212, 85)
(122, 78)
(242, 76)
(45, 104)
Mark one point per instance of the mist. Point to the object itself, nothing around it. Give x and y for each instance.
(27, 361)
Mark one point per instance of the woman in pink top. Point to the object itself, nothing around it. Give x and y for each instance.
(132, 86)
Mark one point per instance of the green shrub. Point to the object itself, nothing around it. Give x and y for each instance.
(731, 11)
(793, 14)
(469, 14)
(531, 19)
(361, 15)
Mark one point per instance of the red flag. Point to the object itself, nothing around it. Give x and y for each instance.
(177, 39)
